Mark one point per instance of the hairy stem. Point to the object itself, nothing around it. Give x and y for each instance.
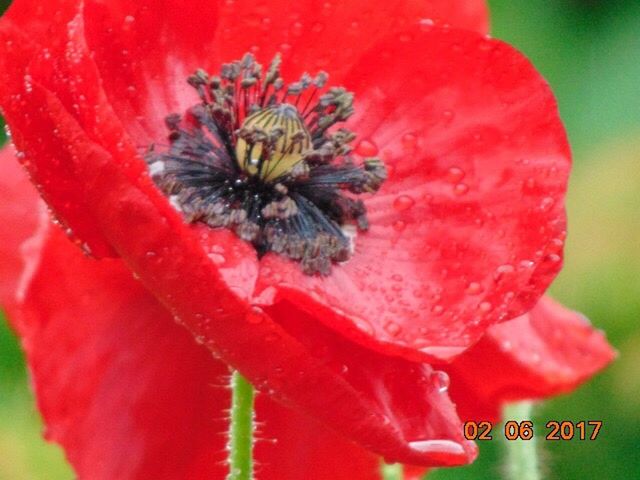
(241, 429)
(522, 461)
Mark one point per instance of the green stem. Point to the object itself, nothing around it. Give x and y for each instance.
(241, 429)
(522, 455)
(392, 472)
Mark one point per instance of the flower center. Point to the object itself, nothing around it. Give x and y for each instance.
(261, 158)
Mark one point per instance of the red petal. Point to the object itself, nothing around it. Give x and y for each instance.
(171, 261)
(63, 195)
(19, 212)
(332, 35)
(549, 351)
(145, 50)
(410, 396)
(292, 446)
(469, 228)
(130, 395)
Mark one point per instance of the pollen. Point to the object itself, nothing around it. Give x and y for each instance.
(269, 161)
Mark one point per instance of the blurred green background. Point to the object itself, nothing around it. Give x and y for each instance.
(589, 50)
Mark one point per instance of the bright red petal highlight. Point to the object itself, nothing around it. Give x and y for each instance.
(469, 228)
(549, 351)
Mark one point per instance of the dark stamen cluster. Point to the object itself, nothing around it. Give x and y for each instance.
(257, 156)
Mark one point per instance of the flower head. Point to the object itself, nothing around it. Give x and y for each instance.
(465, 232)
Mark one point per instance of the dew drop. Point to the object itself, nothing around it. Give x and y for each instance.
(503, 270)
(392, 328)
(285, 48)
(425, 24)
(474, 288)
(217, 258)
(297, 29)
(437, 446)
(437, 309)
(440, 380)
(399, 225)
(553, 258)
(484, 307)
(255, 315)
(461, 189)
(546, 204)
(367, 148)
(455, 174)
(403, 202)
(527, 264)
(409, 141)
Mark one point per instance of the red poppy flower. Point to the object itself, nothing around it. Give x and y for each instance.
(466, 232)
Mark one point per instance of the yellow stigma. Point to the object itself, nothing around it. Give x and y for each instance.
(284, 141)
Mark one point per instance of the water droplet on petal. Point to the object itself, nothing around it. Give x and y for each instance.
(547, 203)
(392, 328)
(527, 264)
(455, 174)
(437, 446)
(367, 148)
(217, 258)
(474, 288)
(425, 24)
(440, 380)
(485, 307)
(285, 48)
(399, 225)
(255, 315)
(297, 29)
(403, 202)
(461, 189)
(553, 258)
(409, 141)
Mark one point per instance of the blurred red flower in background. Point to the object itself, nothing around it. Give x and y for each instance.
(466, 235)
